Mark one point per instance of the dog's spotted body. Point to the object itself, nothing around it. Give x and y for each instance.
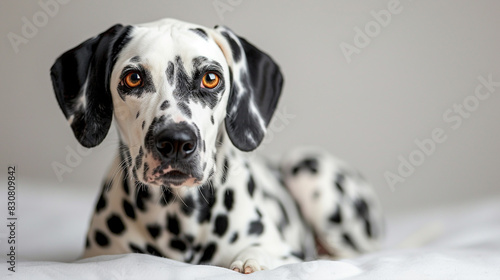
(189, 103)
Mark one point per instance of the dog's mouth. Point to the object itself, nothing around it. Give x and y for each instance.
(173, 177)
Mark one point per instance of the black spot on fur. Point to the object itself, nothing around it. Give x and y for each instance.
(347, 239)
(225, 169)
(206, 201)
(125, 184)
(135, 249)
(153, 251)
(101, 238)
(167, 195)
(299, 255)
(256, 227)
(154, 230)
(188, 205)
(233, 238)
(309, 164)
(143, 124)
(138, 158)
(128, 209)
(212, 119)
(134, 174)
(164, 105)
(339, 182)
(173, 225)
(208, 253)
(363, 212)
(258, 212)
(199, 61)
(362, 209)
(137, 115)
(184, 108)
(229, 199)
(251, 186)
(101, 203)
(204, 215)
(336, 217)
(170, 73)
(115, 224)
(145, 170)
(142, 196)
(87, 242)
(197, 248)
(200, 32)
(189, 237)
(368, 228)
(149, 143)
(183, 82)
(178, 244)
(220, 225)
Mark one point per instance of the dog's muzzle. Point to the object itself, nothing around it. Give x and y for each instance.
(176, 142)
(177, 145)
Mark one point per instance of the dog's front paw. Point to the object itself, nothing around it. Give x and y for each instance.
(248, 266)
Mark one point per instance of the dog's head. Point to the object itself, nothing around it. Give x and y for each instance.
(173, 88)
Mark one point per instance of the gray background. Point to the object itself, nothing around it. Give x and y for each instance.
(367, 112)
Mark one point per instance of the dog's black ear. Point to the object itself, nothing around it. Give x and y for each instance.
(255, 89)
(80, 78)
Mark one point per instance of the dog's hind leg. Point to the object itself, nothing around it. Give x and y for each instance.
(335, 201)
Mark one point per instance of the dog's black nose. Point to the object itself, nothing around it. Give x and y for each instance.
(176, 142)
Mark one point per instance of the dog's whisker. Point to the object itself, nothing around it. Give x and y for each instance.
(201, 193)
(180, 198)
(117, 169)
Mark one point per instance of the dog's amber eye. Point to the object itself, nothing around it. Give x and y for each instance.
(210, 80)
(133, 79)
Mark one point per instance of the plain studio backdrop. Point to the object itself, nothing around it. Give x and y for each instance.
(405, 90)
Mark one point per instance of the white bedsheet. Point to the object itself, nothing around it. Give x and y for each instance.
(459, 242)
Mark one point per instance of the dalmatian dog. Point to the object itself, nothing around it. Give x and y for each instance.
(190, 103)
